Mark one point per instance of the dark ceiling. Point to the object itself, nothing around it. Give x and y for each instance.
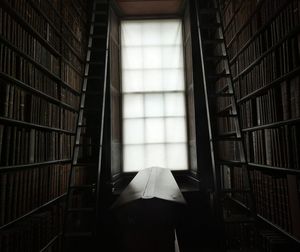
(149, 7)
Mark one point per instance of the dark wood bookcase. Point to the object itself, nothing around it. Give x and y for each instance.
(42, 52)
(263, 44)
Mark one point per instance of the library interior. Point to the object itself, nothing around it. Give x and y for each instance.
(150, 125)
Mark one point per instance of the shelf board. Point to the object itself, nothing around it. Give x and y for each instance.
(272, 125)
(37, 92)
(25, 166)
(264, 54)
(33, 125)
(32, 212)
(49, 244)
(269, 85)
(274, 168)
(278, 228)
(39, 66)
(258, 32)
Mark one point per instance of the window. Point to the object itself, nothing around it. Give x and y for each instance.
(153, 95)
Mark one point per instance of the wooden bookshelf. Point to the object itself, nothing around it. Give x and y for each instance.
(262, 40)
(42, 51)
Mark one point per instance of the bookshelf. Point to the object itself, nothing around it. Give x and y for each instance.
(262, 40)
(42, 52)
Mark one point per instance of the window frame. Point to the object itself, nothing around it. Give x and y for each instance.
(186, 108)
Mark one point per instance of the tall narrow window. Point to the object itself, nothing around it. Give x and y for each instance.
(153, 93)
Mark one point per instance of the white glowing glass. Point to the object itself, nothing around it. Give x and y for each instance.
(133, 157)
(133, 105)
(153, 93)
(152, 57)
(173, 80)
(154, 105)
(132, 80)
(172, 57)
(131, 34)
(132, 58)
(152, 80)
(155, 155)
(176, 130)
(175, 104)
(176, 155)
(154, 130)
(133, 131)
(151, 33)
(171, 33)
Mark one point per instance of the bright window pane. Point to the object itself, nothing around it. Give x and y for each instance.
(155, 155)
(173, 80)
(131, 34)
(133, 157)
(152, 80)
(133, 131)
(174, 103)
(176, 130)
(133, 105)
(176, 155)
(171, 57)
(171, 33)
(155, 130)
(151, 33)
(152, 57)
(154, 120)
(154, 105)
(132, 80)
(132, 58)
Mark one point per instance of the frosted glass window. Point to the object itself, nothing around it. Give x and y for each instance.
(175, 130)
(133, 105)
(132, 80)
(153, 95)
(155, 130)
(154, 105)
(174, 103)
(133, 131)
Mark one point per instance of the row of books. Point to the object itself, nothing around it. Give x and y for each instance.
(24, 106)
(235, 182)
(272, 241)
(26, 189)
(29, 45)
(71, 58)
(12, 61)
(276, 104)
(248, 237)
(34, 232)
(274, 146)
(283, 24)
(253, 16)
(229, 8)
(49, 9)
(69, 75)
(225, 125)
(277, 199)
(229, 150)
(75, 43)
(69, 97)
(70, 16)
(281, 60)
(26, 146)
(271, 67)
(68, 120)
(82, 175)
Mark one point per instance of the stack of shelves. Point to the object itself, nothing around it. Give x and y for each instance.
(262, 40)
(42, 51)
